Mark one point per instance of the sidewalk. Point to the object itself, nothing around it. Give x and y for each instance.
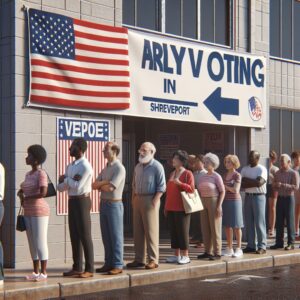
(15, 287)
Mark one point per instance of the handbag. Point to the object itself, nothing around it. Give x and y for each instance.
(191, 201)
(21, 226)
(51, 189)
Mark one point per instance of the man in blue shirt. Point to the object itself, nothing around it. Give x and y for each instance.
(149, 183)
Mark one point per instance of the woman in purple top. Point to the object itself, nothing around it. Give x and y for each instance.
(232, 206)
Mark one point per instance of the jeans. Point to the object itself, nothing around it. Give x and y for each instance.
(255, 221)
(285, 209)
(1, 249)
(111, 222)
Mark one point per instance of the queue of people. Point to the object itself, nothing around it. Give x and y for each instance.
(276, 190)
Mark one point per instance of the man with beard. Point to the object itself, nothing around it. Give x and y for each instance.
(254, 178)
(148, 185)
(78, 181)
(111, 183)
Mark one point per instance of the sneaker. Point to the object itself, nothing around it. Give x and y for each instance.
(32, 276)
(238, 253)
(215, 257)
(41, 277)
(227, 252)
(261, 251)
(274, 247)
(203, 256)
(184, 260)
(289, 247)
(173, 259)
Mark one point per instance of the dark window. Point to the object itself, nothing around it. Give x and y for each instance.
(297, 31)
(286, 129)
(275, 27)
(128, 12)
(173, 16)
(296, 125)
(189, 15)
(286, 27)
(207, 20)
(275, 130)
(222, 22)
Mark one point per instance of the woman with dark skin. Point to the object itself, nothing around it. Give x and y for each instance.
(36, 210)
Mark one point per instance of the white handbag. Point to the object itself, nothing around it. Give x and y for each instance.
(191, 202)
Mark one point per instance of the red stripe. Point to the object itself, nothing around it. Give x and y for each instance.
(99, 26)
(64, 67)
(47, 87)
(79, 80)
(77, 104)
(100, 38)
(101, 49)
(116, 62)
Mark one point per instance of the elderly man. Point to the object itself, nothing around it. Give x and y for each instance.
(254, 178)
(148, 185)
(111, 183)
(285, 183)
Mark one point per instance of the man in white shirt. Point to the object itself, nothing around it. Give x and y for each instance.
(78, 182)
(254, 178)
(2, 186)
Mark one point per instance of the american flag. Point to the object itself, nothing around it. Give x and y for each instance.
(94, 154)
(77, 64)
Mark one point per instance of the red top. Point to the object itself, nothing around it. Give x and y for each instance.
(173, 200)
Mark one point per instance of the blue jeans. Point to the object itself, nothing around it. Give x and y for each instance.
(111, 222)
(255, 221)
(1, 249)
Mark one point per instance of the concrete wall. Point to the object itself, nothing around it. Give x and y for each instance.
(22, 126)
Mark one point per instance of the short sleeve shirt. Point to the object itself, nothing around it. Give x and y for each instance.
(253, 173)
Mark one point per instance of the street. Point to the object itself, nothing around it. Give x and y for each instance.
(270, 283)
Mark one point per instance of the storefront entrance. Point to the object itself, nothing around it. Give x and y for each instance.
(169, 136)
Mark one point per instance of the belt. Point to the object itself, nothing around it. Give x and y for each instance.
(86, 195)
(111, 200)
(254, 194)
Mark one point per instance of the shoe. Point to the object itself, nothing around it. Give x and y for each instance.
(41, 277)
(238, 253)
(173, 259)
(289, 247)
(274, 247)
(204, 256)
(115, 271)
(71, 273)
(249, 250)
(261, 251)
(32, 276)
(85, 275)
(227, 252)
(103, 269)
(184, 260)
(192, 241)
(151, 265)
(135, 264)
(215, 257)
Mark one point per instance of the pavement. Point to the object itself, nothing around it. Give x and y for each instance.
(16, 287)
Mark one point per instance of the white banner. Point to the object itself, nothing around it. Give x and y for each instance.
(186, 81)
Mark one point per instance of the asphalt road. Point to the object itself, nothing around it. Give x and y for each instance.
(271, 283)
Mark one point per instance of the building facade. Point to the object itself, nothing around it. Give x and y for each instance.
(242, 26)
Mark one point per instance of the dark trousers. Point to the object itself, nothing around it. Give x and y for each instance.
(285, 210)
(80, 233)
(179, 225)
(195, 228)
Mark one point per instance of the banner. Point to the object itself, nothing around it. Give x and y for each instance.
(96, 133)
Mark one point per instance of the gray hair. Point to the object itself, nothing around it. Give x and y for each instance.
(213, 159)
(286, 156)
(150, 146)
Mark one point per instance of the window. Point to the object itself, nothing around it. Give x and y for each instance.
(284, 29)
(181, 17)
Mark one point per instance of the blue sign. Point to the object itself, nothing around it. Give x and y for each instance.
(90, 130)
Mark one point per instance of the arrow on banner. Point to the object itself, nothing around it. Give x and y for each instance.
(219, 105)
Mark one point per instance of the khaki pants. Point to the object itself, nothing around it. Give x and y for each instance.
(146, 229)
(211, 227)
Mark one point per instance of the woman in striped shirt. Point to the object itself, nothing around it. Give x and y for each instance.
(232, 206)
(36, 210)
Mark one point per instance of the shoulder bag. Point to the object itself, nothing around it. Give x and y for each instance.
(21, 226)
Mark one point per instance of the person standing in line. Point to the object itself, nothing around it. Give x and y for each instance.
(77, 180)
(36, 211)
(2, 189)
(296, 167)
(254, 178)
(180, 180)
(232, 206)
(198, 172)
(110, 183)
(148, 186)
(212, 194)
(270, 193)
(285, 183)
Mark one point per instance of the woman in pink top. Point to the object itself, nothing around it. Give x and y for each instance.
(212, 193)
(36, 210)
